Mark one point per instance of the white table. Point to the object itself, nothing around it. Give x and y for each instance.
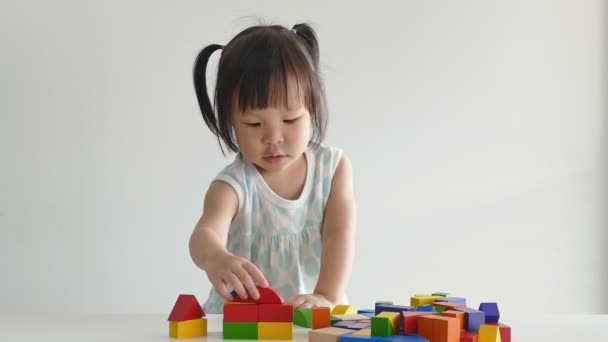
(150, 328)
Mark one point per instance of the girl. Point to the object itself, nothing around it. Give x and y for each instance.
(283, 212)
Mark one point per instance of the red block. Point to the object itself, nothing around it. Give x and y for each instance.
(467, 336)
(186, 308)
(268, 295)
(410, 320)
(505, 331)
(241, 312)
(276, 313)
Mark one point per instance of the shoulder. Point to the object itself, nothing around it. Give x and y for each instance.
(327, 158)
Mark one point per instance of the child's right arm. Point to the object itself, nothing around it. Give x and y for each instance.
(208, 241)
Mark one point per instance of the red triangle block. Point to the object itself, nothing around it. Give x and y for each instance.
(186, 308)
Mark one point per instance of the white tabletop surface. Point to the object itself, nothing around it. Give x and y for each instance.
(150, 328)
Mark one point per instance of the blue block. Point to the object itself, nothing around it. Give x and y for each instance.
(473, 319)
(427, 308)
(357, 338)
(491, 311)
(367, 312)
(392, 308)
(456, 300)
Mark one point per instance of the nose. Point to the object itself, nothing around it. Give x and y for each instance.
(273, 136)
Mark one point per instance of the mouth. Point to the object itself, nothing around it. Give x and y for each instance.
(274, 158)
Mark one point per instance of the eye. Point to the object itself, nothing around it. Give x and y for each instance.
(252, 124)
(290, 121)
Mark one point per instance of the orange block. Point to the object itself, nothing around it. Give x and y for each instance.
(439, 329)
(321, 317)
(455, 314)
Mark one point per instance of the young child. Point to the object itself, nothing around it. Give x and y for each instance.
(282, 214)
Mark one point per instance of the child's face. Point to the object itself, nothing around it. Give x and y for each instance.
(273, 138)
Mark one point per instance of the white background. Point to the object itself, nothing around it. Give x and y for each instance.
(477, 129)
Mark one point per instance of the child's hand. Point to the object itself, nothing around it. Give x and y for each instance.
(238, 273)
(305, 301)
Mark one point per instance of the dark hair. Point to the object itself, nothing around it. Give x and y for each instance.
(254, 72)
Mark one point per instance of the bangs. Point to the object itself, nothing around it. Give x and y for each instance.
(275, 75)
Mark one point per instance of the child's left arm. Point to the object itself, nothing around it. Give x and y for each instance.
(339, 226)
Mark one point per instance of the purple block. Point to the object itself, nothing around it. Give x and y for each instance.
(491, 311)
(473, 319)
(359, 326)
(392, 308)
(343, 324)
(456, 300)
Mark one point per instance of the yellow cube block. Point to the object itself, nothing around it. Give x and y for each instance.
(393, 317)
(344, 310)
(489, 333)
(363, 332)
(417, 301)
(186, 329)
(275, 331)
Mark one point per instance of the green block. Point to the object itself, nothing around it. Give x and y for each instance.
(381, 326)
(441, 294)
(334, 320)
(303, 317)
(241, 330)
(438, 308)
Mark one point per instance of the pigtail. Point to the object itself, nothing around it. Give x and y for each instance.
(200, 86)
(309, 37)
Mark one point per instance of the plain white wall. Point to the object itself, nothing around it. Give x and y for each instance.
(477, 130)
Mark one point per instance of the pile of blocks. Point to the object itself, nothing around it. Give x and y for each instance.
(267, 318)
(428, 318)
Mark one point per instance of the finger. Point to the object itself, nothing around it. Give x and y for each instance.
(256, 274)
(298, 301)
(247, 282)
(237, 285)
(221, 289)
(305, 305)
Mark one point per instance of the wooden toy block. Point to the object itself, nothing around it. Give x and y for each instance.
(329, 334)
(409, 321)
(455, 314)
(364, 332)
(187, 329)
(489, 333)
(425, 327)
(358, 338)
(361, 325)
(333, 320)
(449, 305)
(438, 309)
(275, 331)
(491, 311)
(392, 308)
(303, 317)
(426, 308)
(186, 308)
(382, 302)
(468, 336)
(320, 317)
(268, 295)
(505, 331)
(404, 338)
(393, 317)
(458, 300)
(241, 312)
(355, 317)
(472, 318)
(367, 312)
(341, 309)
(418, 300)
(381, 326)
(345, 325)
(276, 313)
(441, 294)
(439, 329)
(241, 330)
